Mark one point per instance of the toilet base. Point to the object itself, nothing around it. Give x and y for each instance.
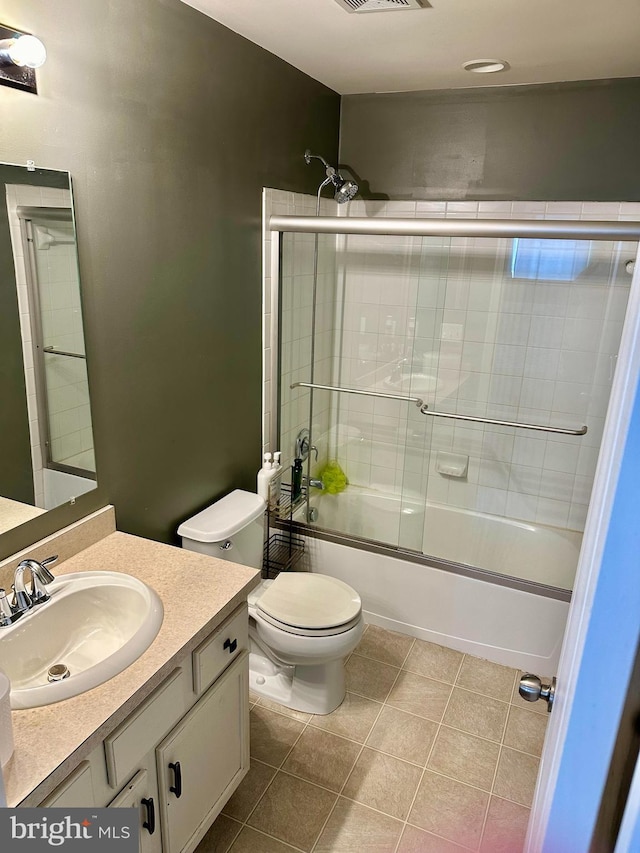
(317, 689)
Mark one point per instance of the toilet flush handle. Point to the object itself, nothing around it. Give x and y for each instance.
(226, 546)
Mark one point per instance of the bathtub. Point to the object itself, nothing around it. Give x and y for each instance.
(509, 626)
(533, 552)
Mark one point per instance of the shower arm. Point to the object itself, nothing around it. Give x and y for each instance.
(308, 157)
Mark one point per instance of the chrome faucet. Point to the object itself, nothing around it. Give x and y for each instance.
(25, 599)
(313, 482)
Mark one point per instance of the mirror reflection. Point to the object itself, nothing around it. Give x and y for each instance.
(46, 455)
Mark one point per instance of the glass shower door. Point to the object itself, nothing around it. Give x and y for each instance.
(62, 390)
(492, 336)
(529, 335)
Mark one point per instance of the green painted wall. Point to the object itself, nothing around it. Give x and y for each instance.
(568, 141)
(170, 125)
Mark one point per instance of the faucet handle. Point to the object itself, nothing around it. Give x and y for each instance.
(48, 577)
(7, 613)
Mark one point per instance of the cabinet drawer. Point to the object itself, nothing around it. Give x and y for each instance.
(217, 651)
(145, 727)
(75, 792)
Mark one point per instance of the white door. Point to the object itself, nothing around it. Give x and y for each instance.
(603, 628)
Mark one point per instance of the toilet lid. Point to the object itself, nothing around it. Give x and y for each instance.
(309, 600)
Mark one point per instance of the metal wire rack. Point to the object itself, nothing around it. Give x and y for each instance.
(282, 550)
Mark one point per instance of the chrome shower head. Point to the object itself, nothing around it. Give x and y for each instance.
(344, 190)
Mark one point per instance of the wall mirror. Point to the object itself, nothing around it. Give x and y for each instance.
(46, 449)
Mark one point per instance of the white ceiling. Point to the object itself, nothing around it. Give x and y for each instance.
(544, 41)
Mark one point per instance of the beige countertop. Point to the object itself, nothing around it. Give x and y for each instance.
(198, 593)
(13, 513)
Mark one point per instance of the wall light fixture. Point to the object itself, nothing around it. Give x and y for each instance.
(20, 54)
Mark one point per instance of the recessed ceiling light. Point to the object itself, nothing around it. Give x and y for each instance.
(485, 66)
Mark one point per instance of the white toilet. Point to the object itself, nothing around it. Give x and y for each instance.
(302, 625)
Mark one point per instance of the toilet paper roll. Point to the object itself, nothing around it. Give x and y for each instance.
(6, 726)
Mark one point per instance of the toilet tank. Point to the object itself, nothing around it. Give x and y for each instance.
(230, 529)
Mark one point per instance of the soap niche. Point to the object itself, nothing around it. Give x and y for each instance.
(452, 464)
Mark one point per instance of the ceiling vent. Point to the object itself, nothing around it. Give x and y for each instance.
(382, 5)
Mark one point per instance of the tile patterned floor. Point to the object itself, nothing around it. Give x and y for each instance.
(432, 751)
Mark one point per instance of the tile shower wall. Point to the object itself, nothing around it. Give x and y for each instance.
(513, 348)
(295, 338)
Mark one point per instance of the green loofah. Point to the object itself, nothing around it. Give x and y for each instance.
(333, 477)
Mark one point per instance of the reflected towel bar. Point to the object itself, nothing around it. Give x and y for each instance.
(424, 409)
(54, 351)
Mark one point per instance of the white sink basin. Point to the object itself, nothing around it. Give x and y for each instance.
(96, 624)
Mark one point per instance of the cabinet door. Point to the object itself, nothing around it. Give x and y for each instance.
(142, 793)
(203, 760)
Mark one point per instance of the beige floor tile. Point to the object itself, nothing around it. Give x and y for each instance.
(353, 828)
(252, 841)
(434, 661)
(272, 735)
(506, 827)
(353, 719)
(483, 676)
(465, 757)
(383, 782)
(249, 791)
(416, 840)
(403, 735)
(220, 836)
(322, 758)
(386, 646)
(369, 678)
(539, 707)
(450, 809)
(476, 714)
(419, 695)
(293, 811)
(516, 776)
(282, 709)
(525, 731)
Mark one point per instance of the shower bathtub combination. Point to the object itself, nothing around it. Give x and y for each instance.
(457, 367)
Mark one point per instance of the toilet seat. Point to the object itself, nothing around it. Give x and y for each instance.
(308, 604)
(307, 632)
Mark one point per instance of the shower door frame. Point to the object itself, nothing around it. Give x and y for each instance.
(26, 214)
(278, 225)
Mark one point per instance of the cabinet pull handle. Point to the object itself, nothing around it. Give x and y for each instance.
(177, 775)
(232, 645)
(150, 822)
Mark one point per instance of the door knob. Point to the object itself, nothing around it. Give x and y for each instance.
(531, 688)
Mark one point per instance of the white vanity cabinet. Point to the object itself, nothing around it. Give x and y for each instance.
(202, 760)
(182, 753)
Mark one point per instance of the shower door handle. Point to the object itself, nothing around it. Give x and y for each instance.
(531, 689)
